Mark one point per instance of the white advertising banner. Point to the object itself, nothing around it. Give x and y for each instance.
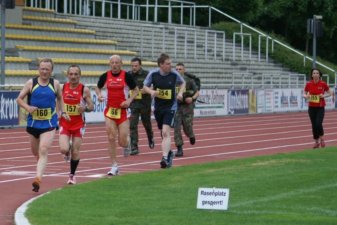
(212, 102)
(265, 101)
(97, 114)
(238, 101)
(220, 102)
(286, 100)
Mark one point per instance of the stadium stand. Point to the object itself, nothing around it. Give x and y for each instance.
(89, 41)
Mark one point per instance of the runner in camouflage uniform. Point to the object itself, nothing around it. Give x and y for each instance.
(141, 106)
(185, 112)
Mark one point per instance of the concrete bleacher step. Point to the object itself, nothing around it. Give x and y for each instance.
(40, 40)
(48, 21)
(50, 31)
(60, 64)
(59, 52)
(128, 34)
(19, 63)
(30, 11)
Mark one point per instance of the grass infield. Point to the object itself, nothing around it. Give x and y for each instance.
(283, 189)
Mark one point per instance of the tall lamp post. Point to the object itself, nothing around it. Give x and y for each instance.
(3, 45)
(5, 4)
(314, 27)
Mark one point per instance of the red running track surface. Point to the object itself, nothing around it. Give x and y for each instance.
(218, 138)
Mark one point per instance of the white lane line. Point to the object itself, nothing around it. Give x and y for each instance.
(176, 159)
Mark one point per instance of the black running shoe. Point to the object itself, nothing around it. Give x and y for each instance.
(192, 140)
(36, 185)
(163, 163)
(134, 151)
(170, 157)
(179, 152)
(151, 143)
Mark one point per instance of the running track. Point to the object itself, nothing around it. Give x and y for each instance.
(218, 138)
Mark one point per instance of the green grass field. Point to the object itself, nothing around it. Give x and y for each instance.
(283, 189)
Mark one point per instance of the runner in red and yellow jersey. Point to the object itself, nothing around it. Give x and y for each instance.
(315, 91)
(77, 100)
(118, 83)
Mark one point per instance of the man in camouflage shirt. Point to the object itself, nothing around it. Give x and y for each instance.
(185, 112)
(140, 106)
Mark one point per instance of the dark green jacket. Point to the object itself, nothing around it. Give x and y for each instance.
(191, 88)
(145, 100)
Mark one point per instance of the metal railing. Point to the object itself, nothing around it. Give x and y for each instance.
(130, 9)
(154, 12)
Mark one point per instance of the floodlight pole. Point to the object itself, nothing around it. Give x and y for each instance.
(3, 45)
(314, 44)
(314, 33)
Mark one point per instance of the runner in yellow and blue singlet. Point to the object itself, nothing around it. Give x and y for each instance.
(44, 98)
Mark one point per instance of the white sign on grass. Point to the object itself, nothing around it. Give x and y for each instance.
(213, 198)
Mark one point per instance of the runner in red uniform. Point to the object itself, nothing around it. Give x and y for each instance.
(117, 82)
(315, 91)
(77, 100)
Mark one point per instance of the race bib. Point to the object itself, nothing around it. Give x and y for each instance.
(314, 98)
(138, 96)
(72, 110)
(164, 93)
(114, 113)
(42, 114)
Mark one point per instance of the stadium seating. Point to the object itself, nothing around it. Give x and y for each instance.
(89, 41)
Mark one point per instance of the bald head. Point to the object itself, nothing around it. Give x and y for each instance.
(115, 63)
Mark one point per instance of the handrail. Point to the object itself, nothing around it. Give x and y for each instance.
(273, 40)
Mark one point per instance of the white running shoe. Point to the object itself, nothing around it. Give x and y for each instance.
(72, 179)
(114, 171)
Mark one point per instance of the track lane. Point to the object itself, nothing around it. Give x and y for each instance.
(218, 138)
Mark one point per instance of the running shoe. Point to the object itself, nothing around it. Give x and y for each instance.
(316, 145)
(192, 140)
(114, 171)
(134, 151)
(170, 157)
(36, 185)
(179, 152)
(322, 143)
(163, 163)
(151, 143)
(72, 179)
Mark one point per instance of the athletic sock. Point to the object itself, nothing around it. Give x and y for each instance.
(73, 166)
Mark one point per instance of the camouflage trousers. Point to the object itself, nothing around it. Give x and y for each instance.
(184, 118)
(145, 115)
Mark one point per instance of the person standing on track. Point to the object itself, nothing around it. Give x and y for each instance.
(117, 82)
(44, 96)
(140, 106)
(315, 91)
(185, 112)
(77, 100)
(164, 81)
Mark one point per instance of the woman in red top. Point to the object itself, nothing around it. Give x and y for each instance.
(315, 91)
